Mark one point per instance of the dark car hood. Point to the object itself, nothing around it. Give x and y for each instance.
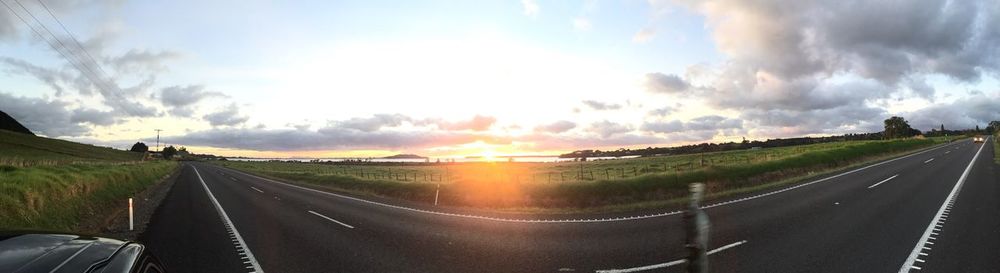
(34, 252)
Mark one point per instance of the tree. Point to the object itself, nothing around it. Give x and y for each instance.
(897, 127)
(139, 147)
(169, 152)
(993, 127)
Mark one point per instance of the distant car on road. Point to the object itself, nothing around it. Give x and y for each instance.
(43, 252)
(978, 139)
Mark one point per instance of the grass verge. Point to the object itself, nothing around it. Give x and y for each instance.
(996, 148)
(58, 197)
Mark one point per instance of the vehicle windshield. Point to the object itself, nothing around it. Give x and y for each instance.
(502, 135)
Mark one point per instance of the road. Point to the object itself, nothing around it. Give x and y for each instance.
(932, 211)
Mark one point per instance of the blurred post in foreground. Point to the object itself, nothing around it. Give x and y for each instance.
(696, 227)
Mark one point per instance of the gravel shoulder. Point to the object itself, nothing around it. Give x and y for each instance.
(114, 222)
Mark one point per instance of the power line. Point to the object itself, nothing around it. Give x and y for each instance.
(74, 62)
(73, 37)
(100, 77)
(39, 34)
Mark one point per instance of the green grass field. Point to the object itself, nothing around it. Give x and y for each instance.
(531, 172)
(608, 183)
(51, 184)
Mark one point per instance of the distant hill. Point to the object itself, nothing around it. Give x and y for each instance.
(10, 124)
(404, 156)
(22, 149)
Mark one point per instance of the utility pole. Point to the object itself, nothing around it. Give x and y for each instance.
(158, 139)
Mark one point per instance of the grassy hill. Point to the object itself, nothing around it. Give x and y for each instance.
(9, 123)
(51, 184)
(22, 150)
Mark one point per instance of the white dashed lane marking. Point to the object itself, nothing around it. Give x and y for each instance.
(670, 263)
(331, 219)
(883, 181)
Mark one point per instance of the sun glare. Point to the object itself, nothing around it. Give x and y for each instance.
(488, 155)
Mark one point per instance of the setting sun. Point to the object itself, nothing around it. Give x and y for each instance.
(489, 155)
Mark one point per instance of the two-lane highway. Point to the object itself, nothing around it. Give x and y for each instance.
(868, 219)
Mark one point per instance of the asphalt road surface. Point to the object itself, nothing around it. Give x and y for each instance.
(937, 210)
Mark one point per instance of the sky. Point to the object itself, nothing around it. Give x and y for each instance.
(520, 77)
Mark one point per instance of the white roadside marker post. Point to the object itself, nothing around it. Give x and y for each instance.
(436, 192)
(130, 222)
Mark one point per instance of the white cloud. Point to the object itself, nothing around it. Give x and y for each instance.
(645, 34)
(228, 116)
(181, 99)
(607, 129)
(530, 7)
(477, 123)
(556, 127)
(581, 24)
(601, 106)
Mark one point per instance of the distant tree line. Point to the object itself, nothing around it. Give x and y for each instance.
(895, 127)
(719, 147)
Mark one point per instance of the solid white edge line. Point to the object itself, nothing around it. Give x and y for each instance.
(256, 189)
(883, 181)
(717, 250)
(225, 217)
(944, 206)
(331, 219)
(929, 160)
(628, 218)
(670, 263)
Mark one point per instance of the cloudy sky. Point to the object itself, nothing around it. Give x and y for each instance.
(440, 78)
